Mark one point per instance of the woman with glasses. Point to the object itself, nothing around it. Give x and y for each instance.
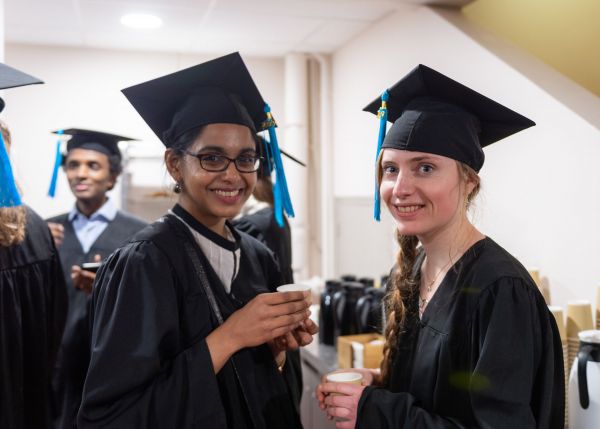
(187, 331)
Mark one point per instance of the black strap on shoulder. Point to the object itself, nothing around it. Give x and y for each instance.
(200, 273)
(212, 301)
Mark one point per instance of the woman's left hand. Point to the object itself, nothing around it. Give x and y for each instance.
(299, 337)
(342, 407)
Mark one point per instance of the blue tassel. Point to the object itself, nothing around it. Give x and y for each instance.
(281, 193)
(57, 164)
(9, 195)
(382, 114)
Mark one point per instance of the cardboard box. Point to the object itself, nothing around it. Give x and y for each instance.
(360, 351)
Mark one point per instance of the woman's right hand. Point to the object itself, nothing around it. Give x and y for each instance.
(267, 316)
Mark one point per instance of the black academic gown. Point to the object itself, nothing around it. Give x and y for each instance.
(74, 354)
(486, 354)
(150, 365)
(33, 309)
(263, 226)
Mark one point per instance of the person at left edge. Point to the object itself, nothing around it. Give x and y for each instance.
(91, 231)
(33, 296)
(186, 321)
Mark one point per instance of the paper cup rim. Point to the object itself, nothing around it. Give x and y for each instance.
(346, 377)
(300, 287)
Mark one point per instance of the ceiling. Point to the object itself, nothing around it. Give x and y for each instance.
(255, 27)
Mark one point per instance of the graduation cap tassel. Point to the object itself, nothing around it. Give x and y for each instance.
(281, 193)
(382, 115)
(9, 194)
(57, 164)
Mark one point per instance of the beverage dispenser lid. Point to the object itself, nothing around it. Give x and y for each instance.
(591, 336)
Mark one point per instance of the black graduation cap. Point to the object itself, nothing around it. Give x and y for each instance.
(102, 142)
(10, 78)
(99, 141)
(217, 91)
(435, 114)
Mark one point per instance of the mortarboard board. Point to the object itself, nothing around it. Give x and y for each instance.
(10, 78)
(435, 114)
(102, 142)
(217, 91)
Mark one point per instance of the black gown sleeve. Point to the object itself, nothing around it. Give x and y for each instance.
(516, 378)
(141, 373)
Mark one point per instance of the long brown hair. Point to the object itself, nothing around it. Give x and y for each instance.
(12, 219)
(403, 282)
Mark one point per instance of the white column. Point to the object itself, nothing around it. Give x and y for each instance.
(296, 142)
(327, 233)
(2, 30)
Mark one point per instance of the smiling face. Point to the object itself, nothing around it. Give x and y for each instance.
(89, 175)
(424, 192)
(213, 197)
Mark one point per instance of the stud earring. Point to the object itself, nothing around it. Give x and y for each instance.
(177, 188)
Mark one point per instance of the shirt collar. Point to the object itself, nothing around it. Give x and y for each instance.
(207, 232)
(108, 211)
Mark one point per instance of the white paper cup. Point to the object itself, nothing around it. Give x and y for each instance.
(345, 377)
(296, 287)
(350, 377)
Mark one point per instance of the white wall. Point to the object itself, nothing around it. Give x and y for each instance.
(541, 193)
(82, 90)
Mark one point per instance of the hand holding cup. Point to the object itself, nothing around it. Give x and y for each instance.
(339, 396)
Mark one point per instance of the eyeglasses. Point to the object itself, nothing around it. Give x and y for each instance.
(215, 163)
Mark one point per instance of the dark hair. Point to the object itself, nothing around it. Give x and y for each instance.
(184, 141)
(114, 164)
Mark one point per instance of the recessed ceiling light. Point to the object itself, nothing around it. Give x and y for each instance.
(141, 21)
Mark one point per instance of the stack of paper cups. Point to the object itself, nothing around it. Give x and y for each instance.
(557, 312)
(535, 275)
(579, 318)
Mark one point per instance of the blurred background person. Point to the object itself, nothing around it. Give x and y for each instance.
(91, 231)
(33, 297)
(258, 219)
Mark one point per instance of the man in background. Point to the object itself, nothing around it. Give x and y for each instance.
(91, 231)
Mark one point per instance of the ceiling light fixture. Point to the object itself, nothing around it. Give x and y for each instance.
(141, 21)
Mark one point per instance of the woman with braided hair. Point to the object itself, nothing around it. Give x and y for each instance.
(469, 339)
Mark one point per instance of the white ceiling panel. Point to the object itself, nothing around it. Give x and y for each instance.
(359, 10)
(257, 27)
(335, 34)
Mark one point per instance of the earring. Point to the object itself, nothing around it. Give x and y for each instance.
(177, 188)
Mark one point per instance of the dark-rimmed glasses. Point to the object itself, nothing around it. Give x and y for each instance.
(216, 163)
